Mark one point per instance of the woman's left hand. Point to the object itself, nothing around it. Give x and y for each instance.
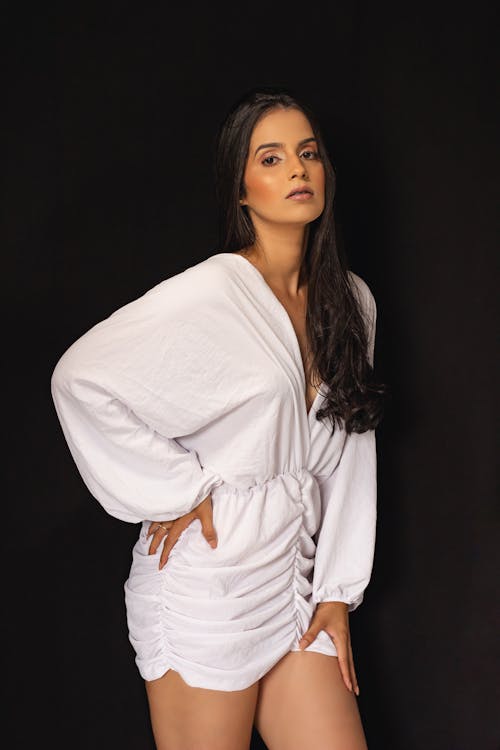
(333, 618)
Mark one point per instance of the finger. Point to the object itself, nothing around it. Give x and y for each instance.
(170, 540)
(155, 525)
(207, 526)
(159, 534)
(343, 659)
(353, 671)
(309, 636)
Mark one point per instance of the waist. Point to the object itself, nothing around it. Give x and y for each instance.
(300, 477)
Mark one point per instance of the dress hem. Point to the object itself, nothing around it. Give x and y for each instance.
(192, 679)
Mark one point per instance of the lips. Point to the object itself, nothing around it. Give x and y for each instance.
(300, 190)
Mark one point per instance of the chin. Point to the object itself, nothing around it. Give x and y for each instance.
(308, 214)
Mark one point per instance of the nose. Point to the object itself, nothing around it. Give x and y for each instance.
(298, 169)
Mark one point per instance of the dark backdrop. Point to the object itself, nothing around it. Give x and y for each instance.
(109, 121)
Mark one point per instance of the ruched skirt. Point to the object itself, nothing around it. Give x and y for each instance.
(223, 617)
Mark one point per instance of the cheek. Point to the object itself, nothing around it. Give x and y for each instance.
(262, 187)
(320, 177)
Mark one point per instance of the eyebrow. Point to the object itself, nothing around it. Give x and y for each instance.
(280, 145)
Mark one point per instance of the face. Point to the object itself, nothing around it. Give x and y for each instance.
(282, 158)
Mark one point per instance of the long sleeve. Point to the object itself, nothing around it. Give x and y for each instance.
(346, 538)
(125, 391)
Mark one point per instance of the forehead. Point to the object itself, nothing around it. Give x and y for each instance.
(281, 125)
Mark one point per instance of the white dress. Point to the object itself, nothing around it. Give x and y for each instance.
(198, 387)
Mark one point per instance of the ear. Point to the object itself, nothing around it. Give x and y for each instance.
(243, 200)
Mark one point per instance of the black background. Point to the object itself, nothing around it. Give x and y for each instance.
(108, 122)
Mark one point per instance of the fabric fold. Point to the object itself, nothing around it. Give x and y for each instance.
(196, 389)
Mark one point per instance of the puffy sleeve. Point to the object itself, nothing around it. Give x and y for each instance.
(346, 538)
(125, 391)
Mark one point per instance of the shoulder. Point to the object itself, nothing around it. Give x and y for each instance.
(202, 283)
(205, 275)
(180, 309)
(210, 273)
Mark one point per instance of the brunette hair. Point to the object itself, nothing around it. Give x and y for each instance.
(336, 327)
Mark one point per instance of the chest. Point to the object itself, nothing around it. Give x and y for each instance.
(297, 314)
(296, 310)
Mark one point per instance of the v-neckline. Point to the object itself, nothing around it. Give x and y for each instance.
(294, 338)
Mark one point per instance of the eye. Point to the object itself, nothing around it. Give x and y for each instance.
(267, 161)
(310, 154)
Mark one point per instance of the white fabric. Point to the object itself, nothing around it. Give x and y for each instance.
(197, 387)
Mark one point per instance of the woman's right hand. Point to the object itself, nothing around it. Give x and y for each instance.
(169, 531)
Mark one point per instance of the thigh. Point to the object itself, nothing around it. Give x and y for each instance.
(303, 702)
(185, 717)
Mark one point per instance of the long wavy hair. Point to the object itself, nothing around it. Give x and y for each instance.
(335, 325)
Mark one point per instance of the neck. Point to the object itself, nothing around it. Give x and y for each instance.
(278, 253)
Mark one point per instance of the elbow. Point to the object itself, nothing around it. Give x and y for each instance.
(77, 378)
(59, 381)
(61, 389)
(66, 374)
(62, 376)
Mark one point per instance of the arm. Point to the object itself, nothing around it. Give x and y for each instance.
(346, 539)
(344, 555)
(124, 391)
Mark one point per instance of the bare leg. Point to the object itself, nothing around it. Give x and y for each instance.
(188, 718)
(304, 703)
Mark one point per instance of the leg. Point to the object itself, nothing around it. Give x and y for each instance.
(303, 702)
(188, 718)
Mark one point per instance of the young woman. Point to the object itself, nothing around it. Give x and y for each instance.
(231, 410)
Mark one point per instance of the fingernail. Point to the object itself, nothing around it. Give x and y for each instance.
(350, 687)
(357, 690)
(213, 544)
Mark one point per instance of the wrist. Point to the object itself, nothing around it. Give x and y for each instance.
(339, 605)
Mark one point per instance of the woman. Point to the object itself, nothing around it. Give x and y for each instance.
(231, 409)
